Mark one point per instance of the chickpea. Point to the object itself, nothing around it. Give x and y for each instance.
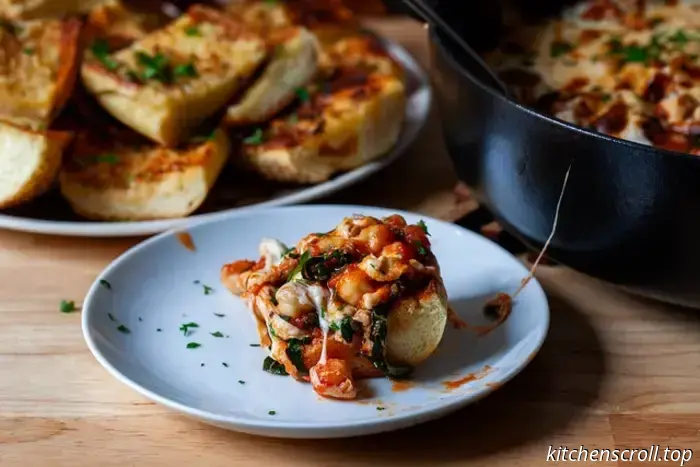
(292, 300)
(352, 284)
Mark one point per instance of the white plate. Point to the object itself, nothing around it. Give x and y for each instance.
(153, 287)
(417, 110)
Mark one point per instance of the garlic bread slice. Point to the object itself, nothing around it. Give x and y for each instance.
(38, 67)
(336, 130)
(29, 162)
(128, 179)
(169, 82)
(35, 9)
(293, 64)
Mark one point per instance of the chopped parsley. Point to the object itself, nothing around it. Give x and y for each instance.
(381, 408)
(185, 328)
(303, 94)
(272, 412)
(422, 225)
(217, 334)
(28, 51)
(123, 329)
(303, 259)
(187, 70)
(201, 364)
(256, 138)
(111, 317)
(193, 345)
(67, 306)
(420, 248)
(159, 330)
(220, 315)
(105, 284)
(207, 290)
(274, 301)
(192, 31)
(255, 345)
(155, 67)
(679, 38)
(559, 48)
(100, 49)
(224, 364)
(273, 367)
(240, 381)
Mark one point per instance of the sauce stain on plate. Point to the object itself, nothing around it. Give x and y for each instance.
(186, 240)
(450, 385)
(401, 386)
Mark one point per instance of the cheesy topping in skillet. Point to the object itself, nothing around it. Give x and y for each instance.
(629, 69)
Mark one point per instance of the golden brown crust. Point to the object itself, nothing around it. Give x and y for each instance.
(38, 67)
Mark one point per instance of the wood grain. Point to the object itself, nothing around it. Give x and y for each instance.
(615, 371)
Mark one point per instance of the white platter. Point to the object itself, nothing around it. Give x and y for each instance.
(159, 284)
(417, 109)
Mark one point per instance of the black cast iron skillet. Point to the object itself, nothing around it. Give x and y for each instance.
(630, 214)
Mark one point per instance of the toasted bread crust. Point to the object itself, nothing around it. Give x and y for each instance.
(141, 181)
(29, 162)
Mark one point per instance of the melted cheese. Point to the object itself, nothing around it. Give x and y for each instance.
(272, 250)
(319, 298)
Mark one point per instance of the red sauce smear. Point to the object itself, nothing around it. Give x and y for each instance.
(467, 379)
(401, 386)
(185, 240)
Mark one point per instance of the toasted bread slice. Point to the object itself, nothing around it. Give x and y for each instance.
(293, 64)
(38, 66)
(337, 132)
(346, 121)
(125, 180)
(35, 9)
(121, 25)
(29, 162)
(167, 83)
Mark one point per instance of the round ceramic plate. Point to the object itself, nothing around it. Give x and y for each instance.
(134, 312)
(51, 215)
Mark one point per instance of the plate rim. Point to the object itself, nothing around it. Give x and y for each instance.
(105, 229)
(292, 429)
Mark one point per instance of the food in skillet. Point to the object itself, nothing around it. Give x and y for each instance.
(38, 63)
(364, 300)
(626, 69)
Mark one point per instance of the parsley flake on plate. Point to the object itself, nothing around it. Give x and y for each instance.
(67, 306)
(185, 328)
(193, 345)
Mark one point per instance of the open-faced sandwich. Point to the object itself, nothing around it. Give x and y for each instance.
(364, 300)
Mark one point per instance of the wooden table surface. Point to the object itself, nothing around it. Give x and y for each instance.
(615, 371)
